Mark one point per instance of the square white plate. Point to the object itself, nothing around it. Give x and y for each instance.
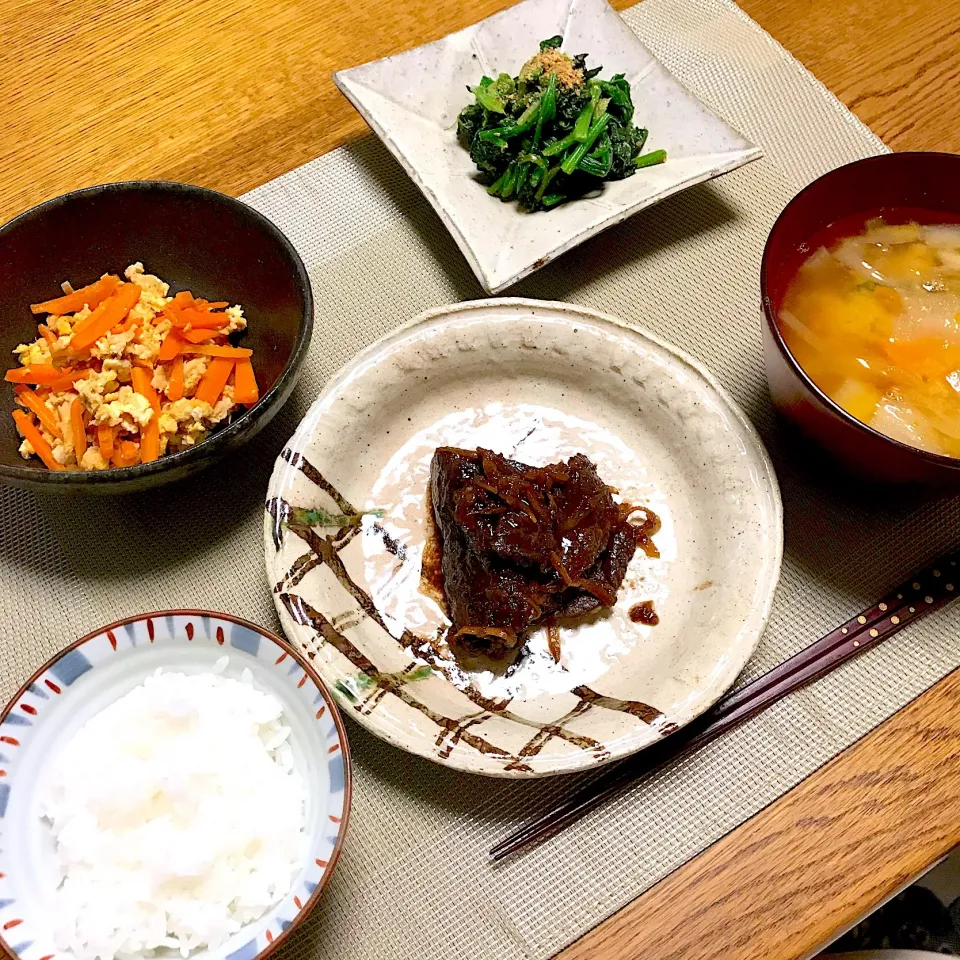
(412, 100)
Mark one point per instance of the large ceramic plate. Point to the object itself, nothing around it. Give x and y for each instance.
(344, 532)
(412, 100)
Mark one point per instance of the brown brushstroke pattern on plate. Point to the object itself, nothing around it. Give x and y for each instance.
(325, 551)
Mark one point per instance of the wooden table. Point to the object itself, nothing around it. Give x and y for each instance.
(232, 93)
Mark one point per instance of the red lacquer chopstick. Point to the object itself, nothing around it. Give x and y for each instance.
(928, 590)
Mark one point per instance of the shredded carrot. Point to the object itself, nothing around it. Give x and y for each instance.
(150, 440)
(142, 378)
(113, 311)
(105, 434)
(175, 380)
(125, 454)
(32, 435)
(199, 334)
(172, 312)
(197, 327)
(245, 389)
(91, 296)
(183, 299)
(35, 403)
(68, 378)
(77, 428)
(91, 318)
(150, 435)
(214, 380)
(128, 324)
(36, 373)
(172, 344)
(215, 350)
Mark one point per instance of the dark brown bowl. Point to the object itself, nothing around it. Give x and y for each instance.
(195, 239)
(902, 186)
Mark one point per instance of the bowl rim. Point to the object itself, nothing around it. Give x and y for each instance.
(941, 460)
(302, 661)
(69, 478)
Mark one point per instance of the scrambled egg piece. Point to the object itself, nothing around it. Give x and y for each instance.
(223, 406)
(237, 320)
(149, 339)
(161, 380)
(33, 353)
(185, 422)
(120, 368)
(193, 371)
(124, 408)
(93, 460)
(95, 388)
(113, 344)
(153, 292)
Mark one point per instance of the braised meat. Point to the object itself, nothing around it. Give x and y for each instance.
(522, 545)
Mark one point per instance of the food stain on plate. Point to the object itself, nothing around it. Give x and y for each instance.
(397, 534)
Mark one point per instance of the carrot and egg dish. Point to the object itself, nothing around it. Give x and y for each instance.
(122, 373)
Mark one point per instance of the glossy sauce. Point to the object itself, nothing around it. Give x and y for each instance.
(644, 613)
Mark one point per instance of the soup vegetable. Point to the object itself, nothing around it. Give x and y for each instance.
(553, 132)
(875, 321)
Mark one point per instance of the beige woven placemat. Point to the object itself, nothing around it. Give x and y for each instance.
(414, 881)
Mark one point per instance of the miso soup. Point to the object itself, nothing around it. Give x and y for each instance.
(874, 320)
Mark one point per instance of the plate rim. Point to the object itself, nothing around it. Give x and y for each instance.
(426, 318)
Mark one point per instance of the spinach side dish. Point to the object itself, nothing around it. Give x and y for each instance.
(554, 132)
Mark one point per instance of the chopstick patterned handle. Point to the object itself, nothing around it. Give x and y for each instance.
(930, 589)
(927, 590)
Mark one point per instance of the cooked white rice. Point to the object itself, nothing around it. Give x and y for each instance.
(178, 817)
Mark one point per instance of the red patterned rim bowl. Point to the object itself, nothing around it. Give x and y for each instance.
(96, 670)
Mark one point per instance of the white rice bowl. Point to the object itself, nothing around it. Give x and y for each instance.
(78, 685)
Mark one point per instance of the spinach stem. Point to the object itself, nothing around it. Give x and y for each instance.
(651, 159)
(524, 122)
(548, 109)
(571, 162)
(581, 128)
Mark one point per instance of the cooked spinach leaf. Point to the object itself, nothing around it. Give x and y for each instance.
(554, 132)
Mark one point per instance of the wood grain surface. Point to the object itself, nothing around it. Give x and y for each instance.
(232, 93)
(809, 866)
